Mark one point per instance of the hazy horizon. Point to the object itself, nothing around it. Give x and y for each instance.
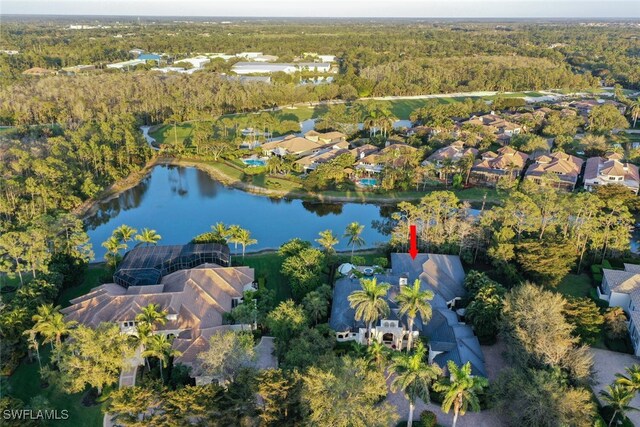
(418, 9)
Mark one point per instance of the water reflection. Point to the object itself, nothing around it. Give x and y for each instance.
(180, 203)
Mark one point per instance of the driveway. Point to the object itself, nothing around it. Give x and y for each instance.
(606, 365)
(487, 418)
(265, 351)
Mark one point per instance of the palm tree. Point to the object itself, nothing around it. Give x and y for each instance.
(150, 237)
(49, 323)
(378, 355)
(124, 233)
(369, 303)
(460, 390)
(244, 238)
(315, 305)
(353, 232)
(328, 240)
(144, 334)
(414, 376)
(413, 301)
(113, 246)
(234, 234)
(34, 345)
(152, 314)
(618, 397)
(635, 111)
(447, 167)
(159, 347)
(632, 380)
(220, 231)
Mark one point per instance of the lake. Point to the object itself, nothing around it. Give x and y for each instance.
(180, 203)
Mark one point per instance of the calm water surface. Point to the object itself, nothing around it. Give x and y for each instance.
(180, 203)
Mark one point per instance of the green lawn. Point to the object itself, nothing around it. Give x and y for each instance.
(576, 285)
(267, 267)
(25, 384)
(92, 278)
(165, 133)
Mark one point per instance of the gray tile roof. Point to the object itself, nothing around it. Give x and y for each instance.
(442, 274)
(622, 281)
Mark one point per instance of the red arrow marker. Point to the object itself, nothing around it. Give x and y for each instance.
(413, 248)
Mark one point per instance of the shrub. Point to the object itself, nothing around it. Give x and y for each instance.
(428, 419)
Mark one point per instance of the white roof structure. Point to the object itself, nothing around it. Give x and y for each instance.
(262, 68)
(126, 64)
(196, 61)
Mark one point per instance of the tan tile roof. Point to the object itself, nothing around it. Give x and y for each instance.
(598, 166)
(454, 151)
(199, 296)
(322, 157)
(505, 158)
(566, 166)
(293, 144)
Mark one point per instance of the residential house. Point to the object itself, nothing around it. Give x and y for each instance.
(565, 167)
(453, 153)
(610, 169)
(621, 288)
(502, 128)
(325, 155)
(183, 280)
(310, 144)
(394, 155)
(326, 137)
(449, 337)
(492, 166)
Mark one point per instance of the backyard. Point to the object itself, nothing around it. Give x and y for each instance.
(24, 383)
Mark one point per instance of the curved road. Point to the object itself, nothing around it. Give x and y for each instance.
(150, 139)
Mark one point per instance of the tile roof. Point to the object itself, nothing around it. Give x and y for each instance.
(442, 274)
(199, 296)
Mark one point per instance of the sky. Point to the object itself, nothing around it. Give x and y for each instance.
(333, 8)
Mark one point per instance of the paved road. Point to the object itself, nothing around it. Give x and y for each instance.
(150, 139)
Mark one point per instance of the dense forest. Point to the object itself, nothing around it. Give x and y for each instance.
(374, 60)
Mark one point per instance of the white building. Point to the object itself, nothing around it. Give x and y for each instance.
(319, 67)
(622, 289)
(196, 61)
(126, 64)
(220, 55)
(262, 68)
(327, 58)
(249, 55)
(611, 170)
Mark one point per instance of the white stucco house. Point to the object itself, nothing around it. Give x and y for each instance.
(621, 288)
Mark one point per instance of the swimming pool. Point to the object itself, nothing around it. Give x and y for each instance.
(254, 162)
(368, 182)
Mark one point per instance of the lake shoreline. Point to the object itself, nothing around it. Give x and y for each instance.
(90, 207)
